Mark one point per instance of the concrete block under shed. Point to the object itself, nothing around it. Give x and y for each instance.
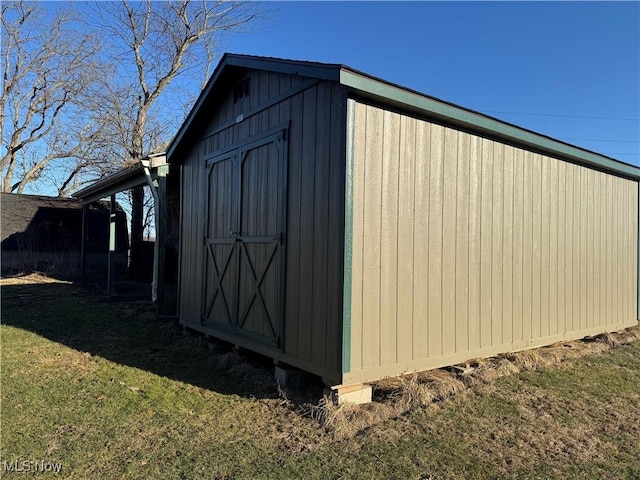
(353, 394)
(287, 376)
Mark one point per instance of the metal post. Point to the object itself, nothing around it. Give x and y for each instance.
(83, 238)
(162, 171)
(112, 245)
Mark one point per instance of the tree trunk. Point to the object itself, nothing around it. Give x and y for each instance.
(136, 263)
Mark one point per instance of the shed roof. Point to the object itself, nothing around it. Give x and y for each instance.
(367, 86)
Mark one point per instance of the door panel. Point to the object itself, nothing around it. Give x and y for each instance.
(221, 256)
(245, 240)
(260, 235)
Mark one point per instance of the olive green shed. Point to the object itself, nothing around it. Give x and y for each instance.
(356, 229)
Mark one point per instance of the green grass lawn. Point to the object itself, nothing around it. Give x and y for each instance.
(100, 388)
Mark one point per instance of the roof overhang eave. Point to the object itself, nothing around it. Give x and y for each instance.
(388, 93)
(115, 183)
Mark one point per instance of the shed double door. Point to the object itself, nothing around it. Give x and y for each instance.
(244, 239)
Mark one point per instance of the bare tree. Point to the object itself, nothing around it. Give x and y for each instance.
(152, 47)
(46, 72)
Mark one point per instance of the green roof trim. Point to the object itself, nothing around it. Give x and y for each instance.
(389, 93)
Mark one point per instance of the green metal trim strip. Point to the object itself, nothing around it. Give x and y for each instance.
(395, 95)
(348, 240)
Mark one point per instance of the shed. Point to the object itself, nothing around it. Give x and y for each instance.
(45, 234)
(357, 229)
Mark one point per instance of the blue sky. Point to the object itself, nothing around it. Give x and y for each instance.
(570, 70)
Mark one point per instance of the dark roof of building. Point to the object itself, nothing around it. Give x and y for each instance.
(17, 211)
(366, 86)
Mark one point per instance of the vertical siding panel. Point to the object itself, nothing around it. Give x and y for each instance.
(294, 226)
(627, 244)
(389, 237)
(407, 322)
(590, 253)
(616, 249)
(629, 249)
(536, 234)
(622, 231)
(545, 259)
(274, 89)
(285, 105)
(621, 247)
(335, 275)
(486, 243)
(507, 245)
(357, 259)
(306, 281)
(561, 234)
(607, 253)
(264, 97)
(436, 205)
(462, 245)
(584, 189)
(577, 226)
(624, 258)
(497, 252)
(372, 230)
(475, 218)
(449, 241)
(609, 243)
(618, 252)
(418, 179)
(322, 121)
(518, 241)
(553, 246)
(597, 248)
(634, 249)
(527, 246)
(604, 268)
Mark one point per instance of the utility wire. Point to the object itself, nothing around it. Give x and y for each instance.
(599, 140)
(567, 116)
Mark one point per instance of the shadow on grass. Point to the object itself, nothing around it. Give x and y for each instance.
(125, 331)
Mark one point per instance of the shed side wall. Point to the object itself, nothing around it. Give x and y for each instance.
(464, 246)
(315, 116)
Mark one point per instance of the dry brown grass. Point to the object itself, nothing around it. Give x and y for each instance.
(394, 397)
(30, 279)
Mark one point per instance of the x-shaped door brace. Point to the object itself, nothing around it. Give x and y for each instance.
(256, 287)
(219, 276)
